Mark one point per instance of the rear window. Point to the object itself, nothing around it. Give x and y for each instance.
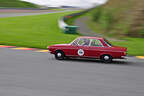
(96, 43)
(107, 42)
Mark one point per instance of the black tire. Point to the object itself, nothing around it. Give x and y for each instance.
(106, 58)
(59, 55)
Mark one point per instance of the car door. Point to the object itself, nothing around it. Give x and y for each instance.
(83, 47)
(73, 48)
(96, 48)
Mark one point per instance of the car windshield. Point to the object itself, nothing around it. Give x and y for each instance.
(74, 42)
(107, 42)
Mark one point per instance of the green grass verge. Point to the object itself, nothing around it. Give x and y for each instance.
(135, 46)
(33, 31)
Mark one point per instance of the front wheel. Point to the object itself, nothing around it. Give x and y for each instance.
(59, 55)
(106, 58)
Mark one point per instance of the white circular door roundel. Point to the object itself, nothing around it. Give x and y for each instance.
(80, 52)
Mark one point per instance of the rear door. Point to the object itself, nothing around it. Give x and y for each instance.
(96, 48)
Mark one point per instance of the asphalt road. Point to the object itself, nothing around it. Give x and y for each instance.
(27, 73)
(14, 14)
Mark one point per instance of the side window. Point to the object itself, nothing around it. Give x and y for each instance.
(84, 42)
(75, 43)
(96, 43)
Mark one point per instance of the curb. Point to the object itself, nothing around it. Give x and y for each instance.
(42, 50)
(140, 57)
(25, 49)
(62, 24)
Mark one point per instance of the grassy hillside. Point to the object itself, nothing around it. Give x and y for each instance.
(33, 31)
(119, 18)
(17, 4)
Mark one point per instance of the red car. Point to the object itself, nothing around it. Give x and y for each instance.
(88, 47)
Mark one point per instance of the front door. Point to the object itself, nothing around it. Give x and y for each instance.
(83, 47)
(95, 48)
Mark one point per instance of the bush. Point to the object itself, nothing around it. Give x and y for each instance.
(104, 17)
(97, 14)
(107, 20)
(141, 32)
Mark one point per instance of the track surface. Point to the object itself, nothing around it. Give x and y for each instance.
(13, 13)
(26, 73)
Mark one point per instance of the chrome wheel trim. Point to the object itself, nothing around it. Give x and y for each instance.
(59, 54)
(106, 57)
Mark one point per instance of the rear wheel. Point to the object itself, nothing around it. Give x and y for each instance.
(59, 55)
(106, 58)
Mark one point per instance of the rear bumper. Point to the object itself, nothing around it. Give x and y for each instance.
(123, 57)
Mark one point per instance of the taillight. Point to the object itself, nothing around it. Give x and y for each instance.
(125, 53)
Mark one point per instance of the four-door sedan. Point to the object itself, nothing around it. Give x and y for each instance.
(88, 47)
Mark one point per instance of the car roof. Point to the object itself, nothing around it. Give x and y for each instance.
(88, 37)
